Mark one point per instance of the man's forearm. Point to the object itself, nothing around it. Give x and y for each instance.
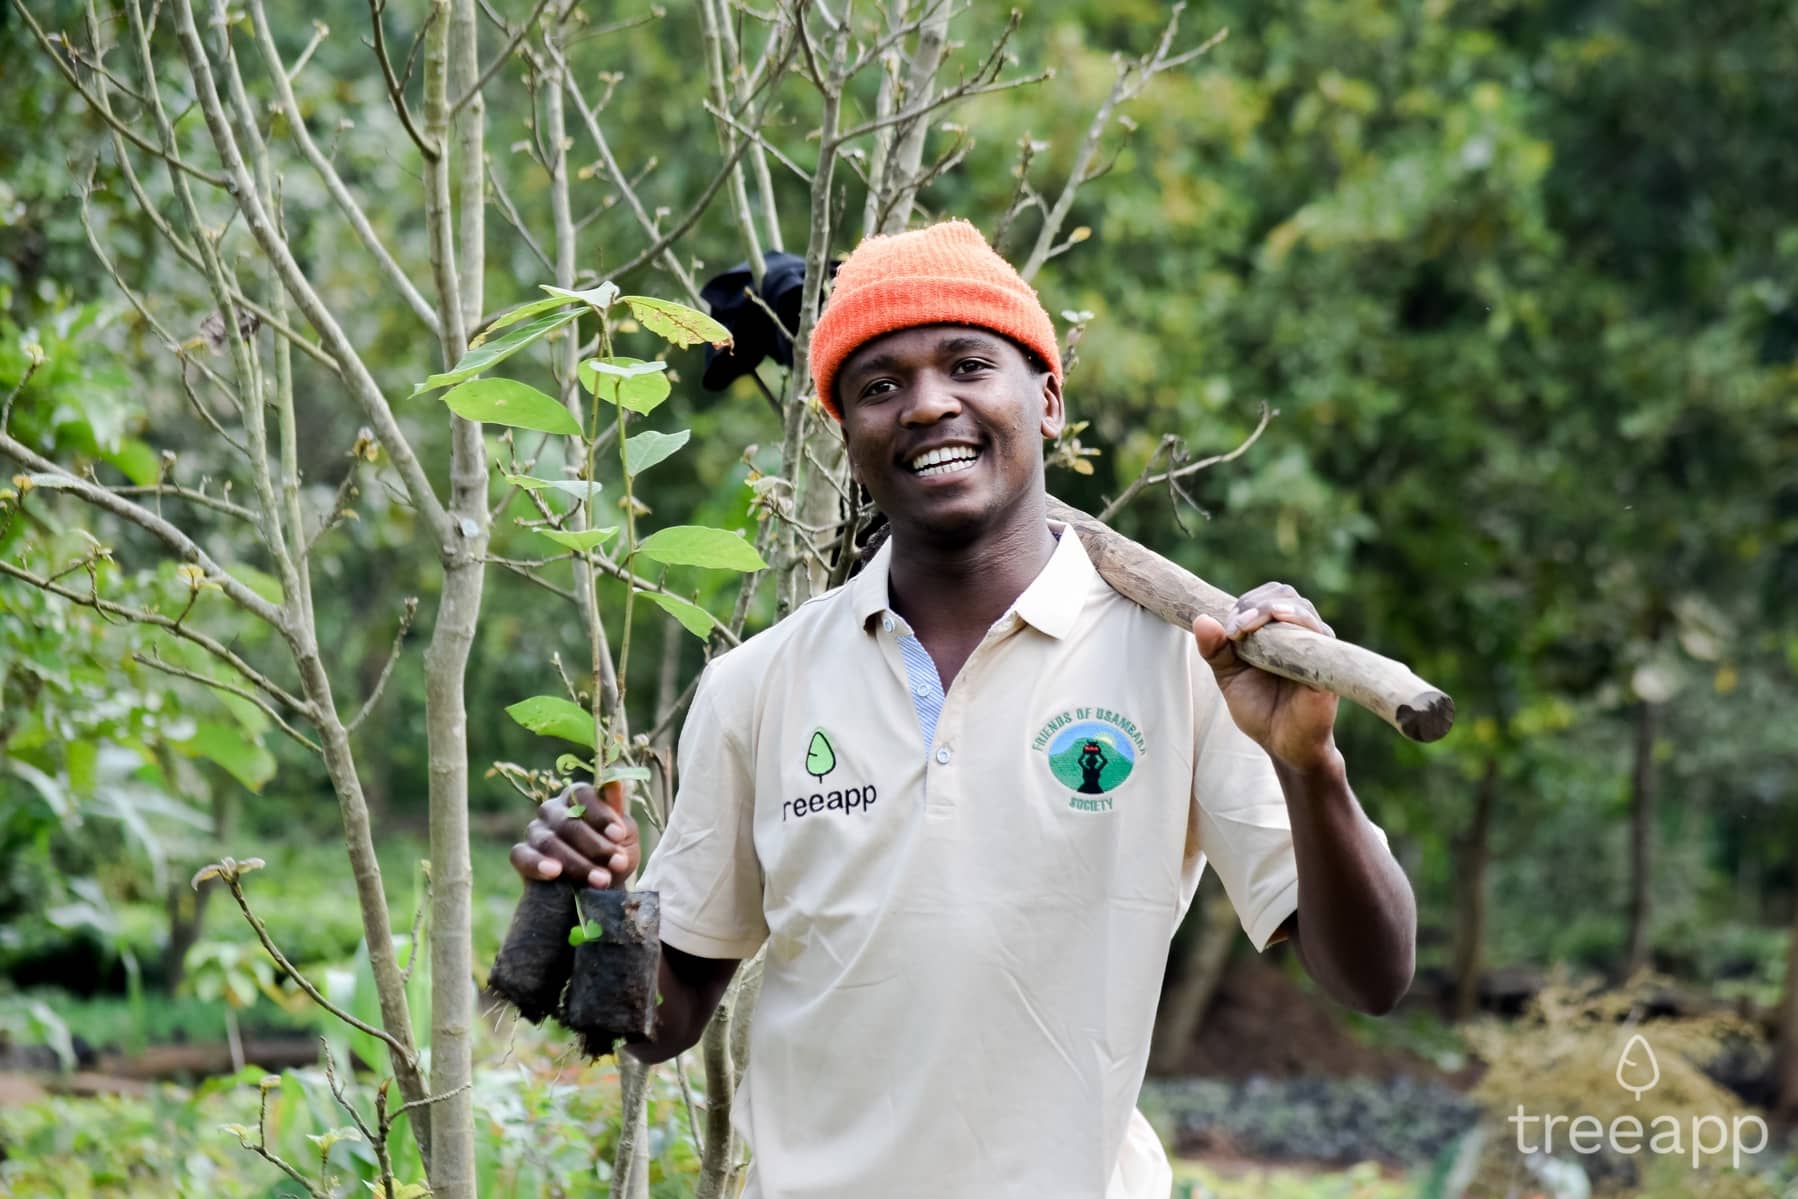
(688, 991)
(1357, 918)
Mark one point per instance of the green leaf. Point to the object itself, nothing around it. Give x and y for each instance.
(597, 298)
(692, 617)
(569, 763)
(582, 540)
(629, 774)
(636, 385)
(242, 758)
(676, 322)
(509, 402)
(529, 308)
(698, 545)
(580, 489)
(491, 354)
(645, 449)
(554, 716)
(577, 935)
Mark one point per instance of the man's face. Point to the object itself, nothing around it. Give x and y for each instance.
(945, 426)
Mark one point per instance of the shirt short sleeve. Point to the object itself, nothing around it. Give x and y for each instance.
(1239, 813)
(705, 866)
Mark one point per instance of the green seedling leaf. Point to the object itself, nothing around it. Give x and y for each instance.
(692, 617)
(506, 319)
(553, 716)
(580, 489)
(632, 383)
(509, 402)
(490, 354)
(676, 322)
(576, 811)
(577, 935)
(569, 763)
(580, 934)
(629, 774)
(699, 545)
(581, 540)
(643, 450)
(597, 298)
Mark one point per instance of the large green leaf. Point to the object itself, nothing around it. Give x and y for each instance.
(677, 323)
(637, 385)
(554, 716)
(643, 450)
(242, 758)
(692, 617)
(490, 354)
(581, 539)
(698, 545)
(509, 402)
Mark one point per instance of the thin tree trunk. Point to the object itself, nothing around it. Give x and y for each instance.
(720, 1143)
(1641, 836)
(1472, 855)
(1183, 1012)
(1788, 1028)
(449, 53)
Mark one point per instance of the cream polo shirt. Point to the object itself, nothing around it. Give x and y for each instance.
(966, 936)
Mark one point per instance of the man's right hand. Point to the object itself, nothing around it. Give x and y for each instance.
(598, 844)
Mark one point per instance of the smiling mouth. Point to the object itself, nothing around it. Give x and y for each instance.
(947, 461)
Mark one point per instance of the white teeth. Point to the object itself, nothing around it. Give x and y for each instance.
(945, 460)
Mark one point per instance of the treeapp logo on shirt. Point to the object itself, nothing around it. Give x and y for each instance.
(820, 760)
(1090, 751)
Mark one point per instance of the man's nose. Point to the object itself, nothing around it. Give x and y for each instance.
(931, 399)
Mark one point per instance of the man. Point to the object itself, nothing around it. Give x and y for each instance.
(967, 912)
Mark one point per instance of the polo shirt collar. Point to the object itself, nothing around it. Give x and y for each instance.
(1051, 604)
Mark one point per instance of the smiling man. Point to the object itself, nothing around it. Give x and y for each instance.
(965, 799)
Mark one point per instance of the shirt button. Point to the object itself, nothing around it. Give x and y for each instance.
(886, 622)
(921, 687)
(943, 755)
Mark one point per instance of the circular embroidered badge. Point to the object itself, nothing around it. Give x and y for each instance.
(1091, 757)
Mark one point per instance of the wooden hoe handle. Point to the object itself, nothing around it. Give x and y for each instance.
(1384, 687)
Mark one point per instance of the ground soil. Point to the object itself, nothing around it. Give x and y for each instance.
(1263, 1022)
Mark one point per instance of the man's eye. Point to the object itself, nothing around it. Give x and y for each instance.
(878, 387)
(968, 365)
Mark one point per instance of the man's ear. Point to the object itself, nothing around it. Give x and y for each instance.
(1054, 414)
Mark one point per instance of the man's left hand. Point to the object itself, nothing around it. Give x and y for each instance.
(1294, 723)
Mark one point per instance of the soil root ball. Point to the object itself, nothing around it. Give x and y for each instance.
(534, 963)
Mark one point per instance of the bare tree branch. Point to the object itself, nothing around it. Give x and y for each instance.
(352, 211)
(143, 616)
(155, 662)
(177, 542)
(1170, 445)
(408, 612)
(396, 90)
(1131, 79)
(105, 113)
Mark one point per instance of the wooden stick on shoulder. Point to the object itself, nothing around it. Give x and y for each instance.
(1383, 686)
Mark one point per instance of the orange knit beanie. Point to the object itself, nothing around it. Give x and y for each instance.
(942, 275)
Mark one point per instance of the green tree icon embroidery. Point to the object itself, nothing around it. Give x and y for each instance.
(820, 758)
